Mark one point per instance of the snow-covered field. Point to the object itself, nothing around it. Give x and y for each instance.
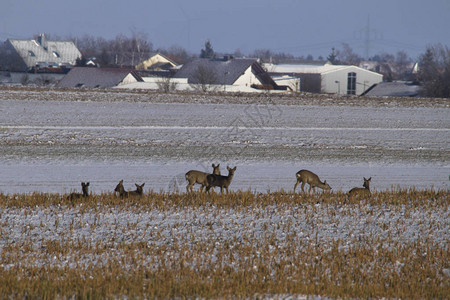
(53, 140)
(309, 224)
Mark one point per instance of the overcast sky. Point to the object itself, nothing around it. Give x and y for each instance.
(298, 27)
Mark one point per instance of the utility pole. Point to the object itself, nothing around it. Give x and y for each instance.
(367, 38)
(368, 34)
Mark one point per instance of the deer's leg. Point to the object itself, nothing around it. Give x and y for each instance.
(303, 185)
(296, 185)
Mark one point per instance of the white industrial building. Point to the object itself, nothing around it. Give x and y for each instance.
(328, 78)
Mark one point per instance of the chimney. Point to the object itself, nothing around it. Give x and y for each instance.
(42, 41)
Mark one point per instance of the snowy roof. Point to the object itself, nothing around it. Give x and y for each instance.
(226, 71)
(394, 89)
(96, 77)
(44, 52)
(308, 69)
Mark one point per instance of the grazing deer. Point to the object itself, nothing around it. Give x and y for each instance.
(220, 180)
(305, 176)
(124, 194)
(363, 192)
(84, 188)
(199, 177)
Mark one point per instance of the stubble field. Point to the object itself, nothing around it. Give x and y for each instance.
(261, 240)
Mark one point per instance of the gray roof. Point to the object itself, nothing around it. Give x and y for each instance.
(223, 71)
(394, 89)
(96, 77)
(35, 53)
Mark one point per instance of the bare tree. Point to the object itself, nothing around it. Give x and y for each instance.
(166, 84)
(347, 56)
(204, 79)
(434, 71)
(402, 62)
(176, 53)
(121, 51)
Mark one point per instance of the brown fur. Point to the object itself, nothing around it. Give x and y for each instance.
(194, 176)
(361, 192)
(124, 194)
(305, 176)
(220, 180)
(84, 188)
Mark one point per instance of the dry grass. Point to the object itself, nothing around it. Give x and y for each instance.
(82, 94)
(238, 245)
(411, 197)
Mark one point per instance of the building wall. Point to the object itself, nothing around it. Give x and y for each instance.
(247, 79)
(335, 82)
(310, 83)
(292, 83)
(128, 79)
(153, 60)
(39, 79)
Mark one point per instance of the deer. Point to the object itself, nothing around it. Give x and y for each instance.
(220, 180)
(358, 191)
(305, 176)
(138, 192)
(194, 176)
(124, 194)
(84, 188)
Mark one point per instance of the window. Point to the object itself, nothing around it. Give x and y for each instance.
(31, 53)
(56, 54)
(351, 83)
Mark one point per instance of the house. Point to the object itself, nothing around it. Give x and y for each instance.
(328, 78)
(40, 54)
(157, 62)
(98, 77)
(227, 71)
(394, 89)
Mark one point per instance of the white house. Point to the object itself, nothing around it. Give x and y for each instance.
(228, 71)
(328, 78)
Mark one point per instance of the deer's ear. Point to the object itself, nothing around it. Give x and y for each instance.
(87, 183)
(143, 184)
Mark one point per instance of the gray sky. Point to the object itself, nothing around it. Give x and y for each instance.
(299, 27)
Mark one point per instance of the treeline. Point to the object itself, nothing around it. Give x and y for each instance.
(434, 71)
(124, 51)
